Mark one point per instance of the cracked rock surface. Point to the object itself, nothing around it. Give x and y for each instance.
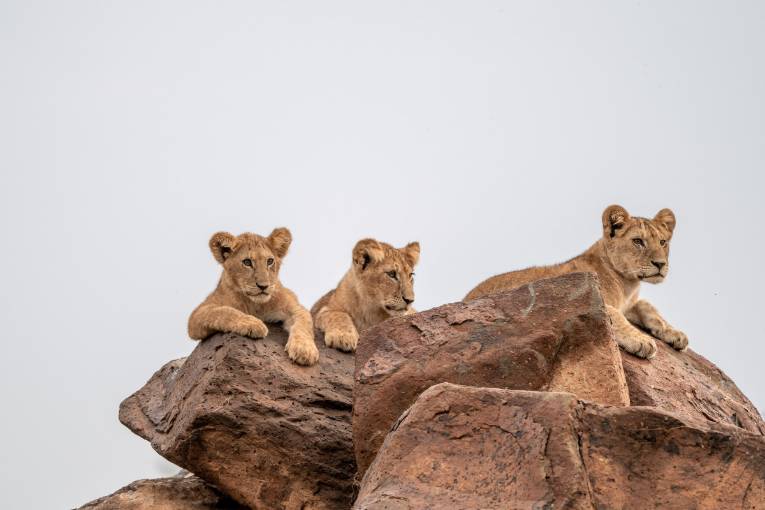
(689, 385)
(516, 400)
(240, 415)
(175, 493)
(488, 448)
(550, 335)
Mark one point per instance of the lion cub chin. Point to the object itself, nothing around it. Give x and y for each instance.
(249, 294)
(379, 285)
(632, 250)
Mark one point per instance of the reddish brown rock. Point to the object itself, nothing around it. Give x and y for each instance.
(165, 494)
(465, 447)
(551, 335)
(687, 384)
(486, 448)
(637, 457)
(239, 414)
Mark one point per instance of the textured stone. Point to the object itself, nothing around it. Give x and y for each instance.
(486, 448)
(177, 493)
(239, 414)
(687, 384)
(551, 335)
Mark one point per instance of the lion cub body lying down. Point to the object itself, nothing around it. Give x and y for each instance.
(632, 250)
(249, 294)
(378, 285)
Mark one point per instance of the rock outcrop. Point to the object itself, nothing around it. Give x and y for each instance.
(239, 414)
(486, 448)
(165, 494)
(688, 385)
(550, 335)
(516, 400)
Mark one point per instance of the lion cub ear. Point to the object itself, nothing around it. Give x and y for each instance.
(614, 218)
(280, 240)
(411, 253)
(366, 251)
(222, 245)
(667, 217)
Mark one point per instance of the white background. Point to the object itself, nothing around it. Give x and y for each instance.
(494, 133)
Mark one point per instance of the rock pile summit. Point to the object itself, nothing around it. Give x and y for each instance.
(516, 400)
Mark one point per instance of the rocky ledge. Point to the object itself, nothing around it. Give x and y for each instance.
(239, 414)
(483, 448)
(516, 400)
(177, 493)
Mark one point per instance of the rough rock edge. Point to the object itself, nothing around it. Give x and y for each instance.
(585, 413)
(186, 486)
(165, 411)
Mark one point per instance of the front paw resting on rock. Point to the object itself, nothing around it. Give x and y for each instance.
(646, 348)
(642, 346)
(251, 327)
(301, 349)
(341, 339)
(673, 337)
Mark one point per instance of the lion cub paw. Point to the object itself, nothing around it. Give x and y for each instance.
(251, 327)
(675, 338)
(301, 349)
(341, 340)
(642, 347)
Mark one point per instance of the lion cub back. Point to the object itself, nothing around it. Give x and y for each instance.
(508, 281)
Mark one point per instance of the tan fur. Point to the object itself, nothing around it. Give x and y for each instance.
(621, 264)
(247, 296)
(368, 293)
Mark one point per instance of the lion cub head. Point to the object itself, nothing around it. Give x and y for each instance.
(386, 274)
(638, 248)
(250, 262)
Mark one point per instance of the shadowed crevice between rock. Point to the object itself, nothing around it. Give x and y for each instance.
(554, 335)
(493, 449)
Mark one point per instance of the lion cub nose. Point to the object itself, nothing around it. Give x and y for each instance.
(658, 265)
(262, 287)
(408, 301)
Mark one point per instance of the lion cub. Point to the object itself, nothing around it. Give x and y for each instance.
(249, 293)
(378, 285)
(631, 251)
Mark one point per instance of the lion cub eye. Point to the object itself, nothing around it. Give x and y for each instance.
(663, 242)
(392, 274)
(270, 261)
(638, 242)
(247, 262)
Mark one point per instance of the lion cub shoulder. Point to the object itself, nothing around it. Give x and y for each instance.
(631, 250)
(378, 285)
(249, 294)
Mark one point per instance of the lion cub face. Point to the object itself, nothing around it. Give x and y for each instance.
(252, 262)
(386, 274)
(638, 248)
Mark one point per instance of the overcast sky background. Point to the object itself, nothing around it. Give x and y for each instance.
(495, 133)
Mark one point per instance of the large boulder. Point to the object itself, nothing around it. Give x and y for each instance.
(687, 384)
(550, 335)
(177, 493)
(487, 448)
(239, 414)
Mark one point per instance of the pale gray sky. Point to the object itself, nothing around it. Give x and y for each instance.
(493, 132)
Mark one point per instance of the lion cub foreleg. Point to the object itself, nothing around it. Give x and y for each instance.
(629, 337)
(209, 319)
(300, 347)
(339, 331)
(643, 314)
